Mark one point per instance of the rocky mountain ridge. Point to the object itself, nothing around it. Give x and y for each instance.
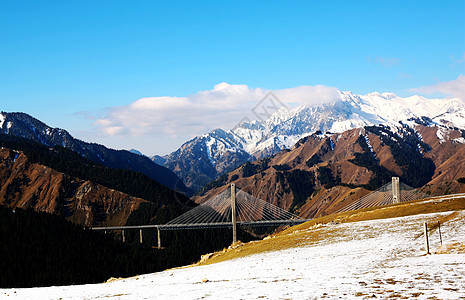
(25, 126)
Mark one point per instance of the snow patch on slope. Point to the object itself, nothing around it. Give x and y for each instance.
(459, 140)
(442, 134)
(218, 143)
(367, 140)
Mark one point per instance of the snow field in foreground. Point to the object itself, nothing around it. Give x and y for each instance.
(384, 258)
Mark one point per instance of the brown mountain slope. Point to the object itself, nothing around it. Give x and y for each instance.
(29, 185)
(326, 172)
(448, 155)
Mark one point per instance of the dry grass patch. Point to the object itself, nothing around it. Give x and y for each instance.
(389, 211)
(454, 248)
(275, 243)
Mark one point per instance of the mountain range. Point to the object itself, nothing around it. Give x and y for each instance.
(324, 172)
(26, 126)
(220, 151)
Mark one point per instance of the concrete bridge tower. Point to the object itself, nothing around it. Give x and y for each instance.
(395, 190)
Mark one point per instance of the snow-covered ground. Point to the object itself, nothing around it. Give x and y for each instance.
(382, 259)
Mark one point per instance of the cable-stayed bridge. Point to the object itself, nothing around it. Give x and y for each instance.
(235, 208)
(230, 209)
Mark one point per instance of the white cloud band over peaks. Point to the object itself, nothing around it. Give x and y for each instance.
(185, 117)
(454, 88)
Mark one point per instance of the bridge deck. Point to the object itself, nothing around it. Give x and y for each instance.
(205, 225)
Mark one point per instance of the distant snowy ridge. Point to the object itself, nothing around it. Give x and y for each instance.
(286, 126)
(282, 129)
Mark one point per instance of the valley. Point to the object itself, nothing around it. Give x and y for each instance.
(314, 174)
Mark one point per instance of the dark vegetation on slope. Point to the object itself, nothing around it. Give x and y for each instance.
(250, 169)
(282, 167)
(367, 160)
(417, 170)
(314, 160)
(317, 157)
(302, 184)
(220, 181)
(406, 149)
(182, 247)
(327, 178)
(40, 249)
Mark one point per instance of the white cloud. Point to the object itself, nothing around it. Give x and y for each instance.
(185, 117)
(454, 88)
(311, 95)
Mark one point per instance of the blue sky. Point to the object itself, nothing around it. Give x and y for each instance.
(70, 63)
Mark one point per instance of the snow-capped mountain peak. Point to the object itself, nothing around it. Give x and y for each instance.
(284, 127)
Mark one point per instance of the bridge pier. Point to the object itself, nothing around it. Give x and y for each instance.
(233, 212)
(159, 238)
(122, 235)
(395, 190)
(140, 235)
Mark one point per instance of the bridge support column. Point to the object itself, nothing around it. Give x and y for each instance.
(159, 238)
(140, 235)
(395, 190)
(233, 212)
(122, 235)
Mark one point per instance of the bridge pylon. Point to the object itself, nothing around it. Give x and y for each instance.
(395, 190)
(233, 212)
